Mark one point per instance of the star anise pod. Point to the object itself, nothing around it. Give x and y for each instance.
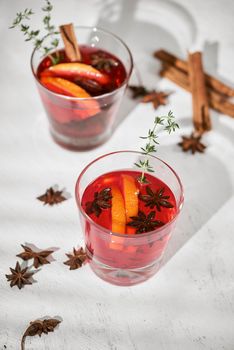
(19, 277)
(38, 327)
(39, 258)
(192, 143)
(156, 199)
(138, 91)
(101, 61)
(158, 98)
(101, 201)
(145, 223)
(52, 197)
(76, 259)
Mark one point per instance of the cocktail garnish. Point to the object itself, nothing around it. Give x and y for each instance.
(39, 258)
(151, 138)
(19, 277)
(118, 210)
(77, 69)
(130, 194)
(101, 201)
(145, 223)
(155, 199)
(192, 143)
(76, 259)
(99, 60)
(33, 35)
(70, 42)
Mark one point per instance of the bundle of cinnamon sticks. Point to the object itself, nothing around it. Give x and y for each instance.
(206, 90)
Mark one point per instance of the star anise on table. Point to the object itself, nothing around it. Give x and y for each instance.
(52, 197)
(156, 199)
(76, 259)
(101, 61)
(38, 327)
(138, 91)
(39, 258)
(145, 223)
(102, 200)
(157, 98)
(19, 277)
(192, 143)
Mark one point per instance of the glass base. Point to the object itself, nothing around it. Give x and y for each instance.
(124, 277)
(79, 144)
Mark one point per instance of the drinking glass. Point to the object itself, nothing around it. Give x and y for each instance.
(126, 259)
(65, 114)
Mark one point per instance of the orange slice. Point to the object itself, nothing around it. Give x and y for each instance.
(130, 191)
(118, 211)
(74, 69)
(118, 218)
(87, 108)
(64, 86)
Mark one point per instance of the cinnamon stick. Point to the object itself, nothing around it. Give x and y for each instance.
(211, 82)
(201, 115)
(70, 42)
(215, 100)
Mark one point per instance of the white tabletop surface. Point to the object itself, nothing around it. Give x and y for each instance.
(189, 304)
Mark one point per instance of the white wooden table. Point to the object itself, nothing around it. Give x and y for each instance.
(189, 304)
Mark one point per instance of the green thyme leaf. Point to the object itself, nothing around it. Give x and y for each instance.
(32, 35)
(170, 125)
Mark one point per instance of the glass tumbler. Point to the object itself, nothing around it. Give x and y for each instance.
(67, 124)
(126, 259)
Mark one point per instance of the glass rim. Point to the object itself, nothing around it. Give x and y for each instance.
(72, 98)
(125, 235)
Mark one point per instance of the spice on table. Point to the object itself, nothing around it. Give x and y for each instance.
(52, 197)
(157, 98)
(176, 70)
(192, 143)
(201, 114)
(138, 91)
(76, 259)
(19, 277)
(39, 258)
(38, 327)
(179, 64)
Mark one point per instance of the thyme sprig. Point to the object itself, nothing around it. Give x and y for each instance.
(170, 125)
(33, 35)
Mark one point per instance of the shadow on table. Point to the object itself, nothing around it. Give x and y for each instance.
(207, 183)
(144, 28)
(210, 61)
(207, 186)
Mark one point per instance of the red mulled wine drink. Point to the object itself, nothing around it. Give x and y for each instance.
(119, 202)
(81, 98)
(127, 223)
